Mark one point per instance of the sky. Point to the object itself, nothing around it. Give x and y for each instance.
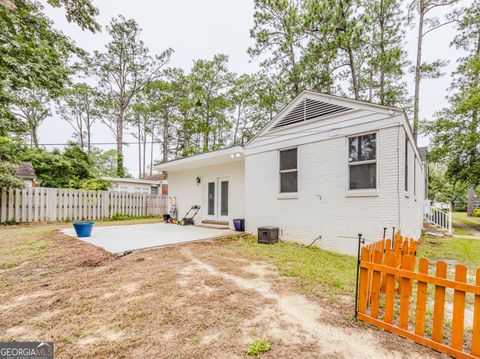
(200, 29)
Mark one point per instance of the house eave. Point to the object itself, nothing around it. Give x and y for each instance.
(206, 159)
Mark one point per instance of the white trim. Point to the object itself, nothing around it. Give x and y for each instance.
(279, 172)
(362, 191)
(208, 158)
(326, 98)
(132, 180)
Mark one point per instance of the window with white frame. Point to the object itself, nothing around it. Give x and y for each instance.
(362, 162)
(288, 171)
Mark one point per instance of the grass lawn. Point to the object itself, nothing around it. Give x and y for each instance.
(319, 272)
(212, 299)
(462, 250)
(460, 231)
(462, 217)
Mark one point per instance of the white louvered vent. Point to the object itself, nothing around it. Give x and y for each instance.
(309, 109)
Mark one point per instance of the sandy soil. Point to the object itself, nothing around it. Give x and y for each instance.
(201, 300)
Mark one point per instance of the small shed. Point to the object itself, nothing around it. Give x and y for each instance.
(26, 173)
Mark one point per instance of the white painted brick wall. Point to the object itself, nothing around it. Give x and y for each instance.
(183, 185)
(336, 216)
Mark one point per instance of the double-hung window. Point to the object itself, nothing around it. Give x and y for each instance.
(362, 162)
(288, 171)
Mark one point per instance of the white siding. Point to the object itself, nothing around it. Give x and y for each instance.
(183, 185)
(411, 205)
(324, 206)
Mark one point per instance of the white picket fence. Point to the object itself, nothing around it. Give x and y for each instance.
(440, 217)
(40, 204)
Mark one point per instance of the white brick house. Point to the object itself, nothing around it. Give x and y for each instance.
(324, 165)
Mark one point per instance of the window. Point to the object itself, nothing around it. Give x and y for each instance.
(288, 171)
(406, 165)
(362, 161)
(154, 190)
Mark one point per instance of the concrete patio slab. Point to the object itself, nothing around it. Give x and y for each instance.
(126, 238)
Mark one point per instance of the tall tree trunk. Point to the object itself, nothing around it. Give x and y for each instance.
(151, 153)
(144, 150)
(418, 74)
(34, 136)
(237, 124)
(353, 72)
(119, 135)
(470, 200)
(89, 138)
(139, 139)
(382, 52)
(165, 137)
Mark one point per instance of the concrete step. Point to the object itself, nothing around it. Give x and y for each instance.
(212, 226)
(218, 223)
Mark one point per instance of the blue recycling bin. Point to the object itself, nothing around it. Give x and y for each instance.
(83, 229)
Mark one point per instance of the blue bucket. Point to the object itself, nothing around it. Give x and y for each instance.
(239, 225)
(83, 229)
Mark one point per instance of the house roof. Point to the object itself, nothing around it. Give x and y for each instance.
(25, 171)
(335, 104)
(132, 180)
(157, 177)
(217, 157)
(328, 100)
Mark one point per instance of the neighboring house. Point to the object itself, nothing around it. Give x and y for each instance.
(325, 165)
(132, 185)
(160, 178)
(26, 173)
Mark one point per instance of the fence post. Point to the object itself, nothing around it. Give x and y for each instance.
(360, 242)
(449, 222)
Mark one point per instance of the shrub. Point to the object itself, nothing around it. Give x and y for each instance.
(476, 212)
(258, 346)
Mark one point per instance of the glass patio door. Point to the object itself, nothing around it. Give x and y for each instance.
(216, 198)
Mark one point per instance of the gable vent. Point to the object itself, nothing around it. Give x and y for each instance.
(308, 109)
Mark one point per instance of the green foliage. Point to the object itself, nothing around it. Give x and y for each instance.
(442, 188)
(96, 184)
(78, 105)
(277, 34)
(105, 163)
(9, 153)
(476, 212)
(33, 55)
(81, 12)
(124, 217)
(456, 129)
(258, 346)
(463, 250)
(126, 58)
(323, 45)
(67, 169)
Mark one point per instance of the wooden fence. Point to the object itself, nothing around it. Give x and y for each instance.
(40, 204)
(388, 280)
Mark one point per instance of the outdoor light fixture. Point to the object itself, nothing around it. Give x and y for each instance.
(198, 180)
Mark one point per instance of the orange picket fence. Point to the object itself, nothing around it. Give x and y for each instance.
(390, 285)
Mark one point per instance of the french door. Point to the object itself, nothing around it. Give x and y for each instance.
(216, 190)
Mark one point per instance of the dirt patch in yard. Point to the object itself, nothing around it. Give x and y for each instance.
(201, 300)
